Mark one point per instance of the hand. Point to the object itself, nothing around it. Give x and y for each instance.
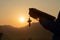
(33, 13)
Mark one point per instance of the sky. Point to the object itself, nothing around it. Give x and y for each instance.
(12, 10)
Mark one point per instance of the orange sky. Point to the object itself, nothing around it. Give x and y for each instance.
(12, 10)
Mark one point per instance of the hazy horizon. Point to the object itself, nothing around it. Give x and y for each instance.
(36, 32)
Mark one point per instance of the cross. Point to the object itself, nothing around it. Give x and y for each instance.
(29, 21)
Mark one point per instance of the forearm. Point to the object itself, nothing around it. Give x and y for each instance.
(50, 25)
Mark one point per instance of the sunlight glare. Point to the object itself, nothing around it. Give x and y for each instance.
(22, 19)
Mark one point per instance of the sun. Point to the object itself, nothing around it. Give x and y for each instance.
(22, 19)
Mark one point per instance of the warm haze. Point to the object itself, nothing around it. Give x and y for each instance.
(12, 10)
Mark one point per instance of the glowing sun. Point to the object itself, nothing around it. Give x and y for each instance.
(22, 19)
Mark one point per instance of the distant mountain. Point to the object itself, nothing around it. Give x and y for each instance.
(35, 32)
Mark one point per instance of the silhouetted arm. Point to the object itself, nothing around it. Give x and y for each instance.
(50, 25)
(46, 20)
